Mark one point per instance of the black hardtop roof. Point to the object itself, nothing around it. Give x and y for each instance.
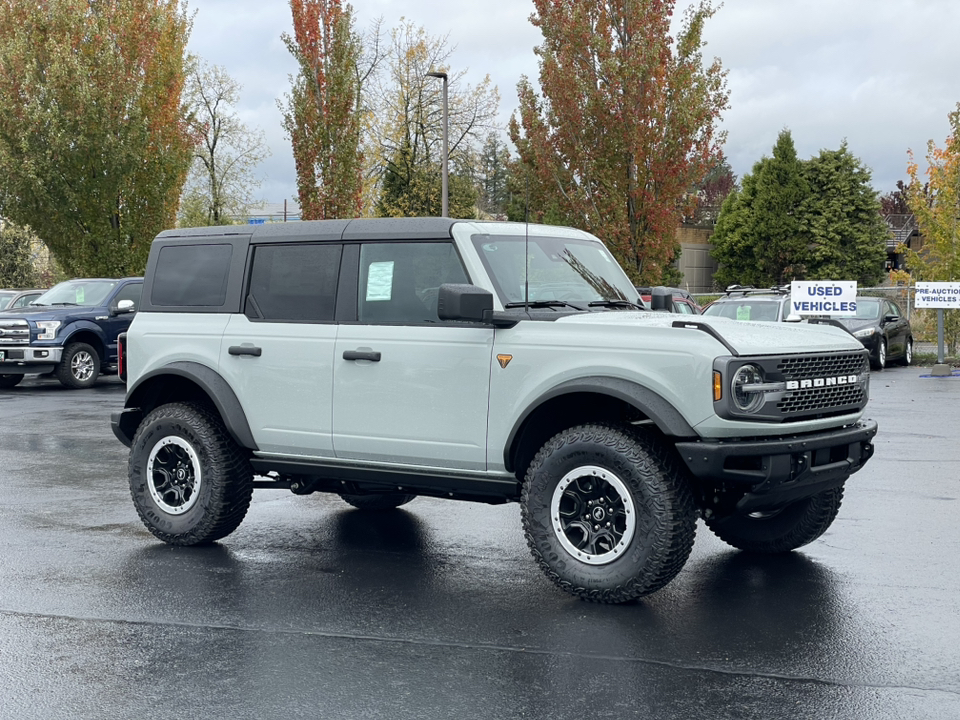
(431, 228)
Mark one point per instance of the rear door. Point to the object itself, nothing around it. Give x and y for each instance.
(409, 388)
(278, 353)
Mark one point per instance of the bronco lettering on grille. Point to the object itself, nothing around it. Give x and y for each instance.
(822, 382)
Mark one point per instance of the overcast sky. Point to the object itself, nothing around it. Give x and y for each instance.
(882, 74)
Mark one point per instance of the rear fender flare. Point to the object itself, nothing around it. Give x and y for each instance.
(215, 387)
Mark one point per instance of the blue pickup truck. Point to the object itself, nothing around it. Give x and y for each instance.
(70, 331)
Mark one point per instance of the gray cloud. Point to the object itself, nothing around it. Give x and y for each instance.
(878, 73)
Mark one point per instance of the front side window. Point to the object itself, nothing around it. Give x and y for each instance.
(544, 269)
(294, 283)
(399, 282)
(130, 292)
(86, 293)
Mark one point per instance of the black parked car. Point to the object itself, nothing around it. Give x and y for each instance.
(883, 329)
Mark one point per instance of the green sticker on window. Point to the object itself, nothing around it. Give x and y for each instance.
(380, 281)
(743, 312)
(80, 295)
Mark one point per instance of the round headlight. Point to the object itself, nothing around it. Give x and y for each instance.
(745, 400)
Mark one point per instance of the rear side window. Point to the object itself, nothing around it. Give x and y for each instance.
(191, 275)
(294, 283)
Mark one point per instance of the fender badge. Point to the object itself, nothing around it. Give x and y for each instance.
(504, 360)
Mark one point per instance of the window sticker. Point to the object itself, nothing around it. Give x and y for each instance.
(80, 295)
(380, 281)
(743, 312)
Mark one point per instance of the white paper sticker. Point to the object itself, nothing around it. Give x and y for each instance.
(380, 281)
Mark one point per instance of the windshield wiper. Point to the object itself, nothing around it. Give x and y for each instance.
(616, 304)
(543, 304)
(64, 303)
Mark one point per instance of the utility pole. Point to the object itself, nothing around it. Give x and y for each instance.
(444, 186)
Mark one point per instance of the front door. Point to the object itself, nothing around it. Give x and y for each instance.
(409, 388)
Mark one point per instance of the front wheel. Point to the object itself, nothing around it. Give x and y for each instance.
(79, 366)
(9, 381)
(190, 482)
(608, 513)
(880, 362)
(780, 530)
(376, 501)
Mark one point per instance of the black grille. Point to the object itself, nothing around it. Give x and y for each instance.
(828, 398)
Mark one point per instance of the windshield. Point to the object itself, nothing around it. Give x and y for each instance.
(867, 309)
(89, 293)
(563, 269)
(753, 309)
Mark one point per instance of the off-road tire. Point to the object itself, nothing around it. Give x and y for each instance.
(79, 366)
(9, 381)
(635, 473)
(192, 509)
(376, 501)
(782, 530)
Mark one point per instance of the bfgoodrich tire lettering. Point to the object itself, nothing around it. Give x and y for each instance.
(190, 482)
(781, 530)
(591, 475)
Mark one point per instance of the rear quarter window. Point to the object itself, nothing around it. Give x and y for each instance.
(192, 275)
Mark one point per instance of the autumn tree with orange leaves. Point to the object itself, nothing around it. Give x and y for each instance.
(936, 205)
(321, 112)
(625, 127)
(94, 145)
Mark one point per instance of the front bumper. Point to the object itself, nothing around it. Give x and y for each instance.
(25, 359)
(773, 472)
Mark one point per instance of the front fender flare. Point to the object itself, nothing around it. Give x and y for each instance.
(664, 415)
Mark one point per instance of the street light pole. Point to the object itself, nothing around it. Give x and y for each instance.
(444, 183)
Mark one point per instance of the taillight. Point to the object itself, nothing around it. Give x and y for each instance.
(122, 356)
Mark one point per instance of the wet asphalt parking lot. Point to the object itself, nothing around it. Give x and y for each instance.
(315, 610)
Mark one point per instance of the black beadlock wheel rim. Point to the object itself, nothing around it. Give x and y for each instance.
(174, 475)
(593, 515)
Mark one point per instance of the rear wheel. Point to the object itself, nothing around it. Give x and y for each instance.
(608, 513)
(907, 358)
(376, 501)
(780, 530)
(9, 381)
(79, 366)
(190, 482)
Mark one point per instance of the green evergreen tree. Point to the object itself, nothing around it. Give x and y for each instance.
(841, 216)
(759, 238)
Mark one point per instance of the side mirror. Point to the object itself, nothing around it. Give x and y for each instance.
(793, 317)
(661, 298)
(124, 307)
(889, 318)
(464, 302)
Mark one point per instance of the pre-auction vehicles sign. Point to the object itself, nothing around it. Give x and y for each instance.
(944, 295)
(836, 298)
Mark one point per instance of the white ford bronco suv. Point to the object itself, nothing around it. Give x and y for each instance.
(381, 359)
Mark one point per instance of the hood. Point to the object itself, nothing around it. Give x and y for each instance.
(747, 338)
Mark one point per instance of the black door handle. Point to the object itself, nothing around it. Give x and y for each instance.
(244, 350)
(361, 355)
